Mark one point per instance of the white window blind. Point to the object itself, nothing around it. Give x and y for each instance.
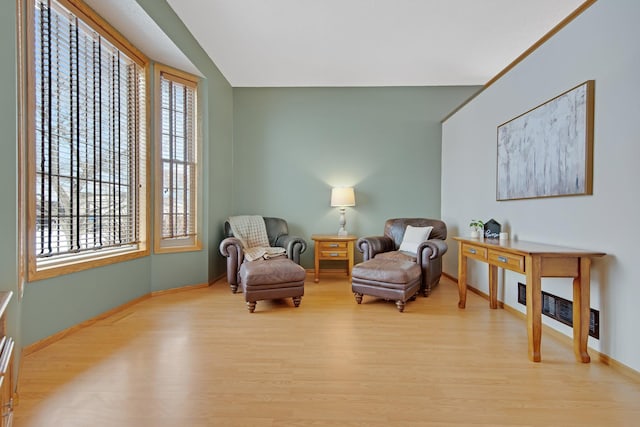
(89, 145)
(178, 157)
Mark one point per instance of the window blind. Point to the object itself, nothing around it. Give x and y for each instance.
(89, 137)
(179, 157)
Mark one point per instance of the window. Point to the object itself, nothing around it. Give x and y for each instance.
(176, 161)
(86, 141)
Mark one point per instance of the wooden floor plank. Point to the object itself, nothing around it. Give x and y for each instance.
(199, 358)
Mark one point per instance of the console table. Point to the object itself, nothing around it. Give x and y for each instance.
(535, 261)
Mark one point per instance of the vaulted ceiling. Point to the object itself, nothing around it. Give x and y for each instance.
(286, 43)
(367, 42)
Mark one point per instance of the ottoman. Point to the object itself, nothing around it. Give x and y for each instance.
(391, 279)
(271, 279)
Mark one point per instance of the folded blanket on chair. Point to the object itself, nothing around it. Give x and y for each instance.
(252, 233)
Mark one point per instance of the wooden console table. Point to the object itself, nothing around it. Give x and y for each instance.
(535, 261)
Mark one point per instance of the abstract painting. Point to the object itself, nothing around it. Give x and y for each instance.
(548, 151)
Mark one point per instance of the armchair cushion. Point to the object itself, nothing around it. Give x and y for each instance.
(413, 236)
(397, 256)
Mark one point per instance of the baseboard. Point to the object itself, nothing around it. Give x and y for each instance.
(220, 277)
(327, 270)
(620, 367)
(38, 345)
(450, 277)
(178, 290)
(603, 358)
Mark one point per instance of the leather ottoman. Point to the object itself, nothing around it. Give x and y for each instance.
(272, 279)
(391, 279)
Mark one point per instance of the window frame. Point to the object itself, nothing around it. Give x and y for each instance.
(89, 259)
(185, 244)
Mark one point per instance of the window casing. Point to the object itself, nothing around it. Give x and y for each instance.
(176, 210)
(86, 144)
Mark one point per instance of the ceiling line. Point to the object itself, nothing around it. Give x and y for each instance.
(573, 15)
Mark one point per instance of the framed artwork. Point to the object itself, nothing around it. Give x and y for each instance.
(548, 151)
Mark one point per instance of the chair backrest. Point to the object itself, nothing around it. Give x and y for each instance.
(394, 228)
(276, 227)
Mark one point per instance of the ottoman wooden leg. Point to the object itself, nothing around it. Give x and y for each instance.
(429, 288)
(400, 305)
(296, 301)
(251, 305)
(427, 291)
(358, 297)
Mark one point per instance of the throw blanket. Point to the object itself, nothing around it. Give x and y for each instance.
(252, 233)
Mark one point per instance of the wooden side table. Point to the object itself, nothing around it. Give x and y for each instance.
(332, 247)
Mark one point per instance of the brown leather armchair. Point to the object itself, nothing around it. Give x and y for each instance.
(278, 234)
(429, 253)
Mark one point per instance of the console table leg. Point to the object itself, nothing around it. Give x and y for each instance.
(581, 311)
(462, 277)
(493, 286)
(534, 306)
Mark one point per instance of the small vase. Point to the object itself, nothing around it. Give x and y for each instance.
(475, 234)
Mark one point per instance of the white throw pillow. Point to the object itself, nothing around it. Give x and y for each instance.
(413, 236)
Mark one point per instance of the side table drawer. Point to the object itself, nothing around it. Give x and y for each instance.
(336, 254)
(506, 260)
(333, 245)
(472, 251)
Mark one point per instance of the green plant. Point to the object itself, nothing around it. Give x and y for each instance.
(476, 225)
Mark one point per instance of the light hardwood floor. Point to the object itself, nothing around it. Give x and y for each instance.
(199, 358)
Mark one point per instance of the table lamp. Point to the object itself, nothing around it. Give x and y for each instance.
(340, 198)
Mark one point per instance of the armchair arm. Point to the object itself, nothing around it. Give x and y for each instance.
(231, 248)
(373, 245)
(293, 244)
(431, 249)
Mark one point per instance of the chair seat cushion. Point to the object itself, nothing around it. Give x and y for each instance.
(397, 256)
(387, 270)
(274, 271)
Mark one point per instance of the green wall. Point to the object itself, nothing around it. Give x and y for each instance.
(215, 101)
(8, 166)
(53, 305)
(291, 145)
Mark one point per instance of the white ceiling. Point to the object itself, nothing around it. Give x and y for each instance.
(367, 42)
(133, 22)
(346, 42)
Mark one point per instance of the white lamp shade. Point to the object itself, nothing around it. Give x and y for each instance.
(343, 196)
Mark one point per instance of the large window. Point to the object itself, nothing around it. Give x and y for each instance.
(176, 227)
(87, 141)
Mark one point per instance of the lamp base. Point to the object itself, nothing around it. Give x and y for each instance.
(343, 221)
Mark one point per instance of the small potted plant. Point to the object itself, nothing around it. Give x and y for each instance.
(477, 226)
